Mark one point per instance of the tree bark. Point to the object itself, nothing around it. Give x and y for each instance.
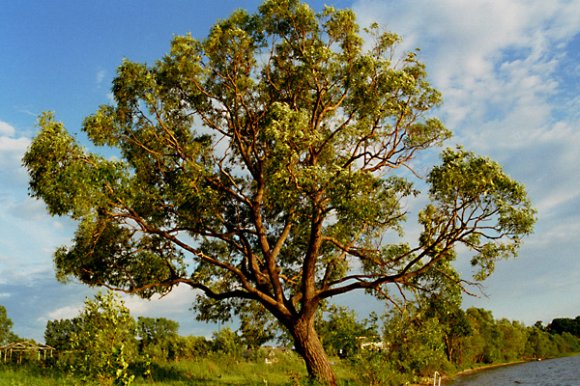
(308, 345)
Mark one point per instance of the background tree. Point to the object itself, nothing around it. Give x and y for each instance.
(439, 297)
(562, 325)
(539, 344)
(513, 337)
(566, 343)
(192, 347)
(59, 333)
(485, 341)
(227, 342)
(6, 334)
(267, 163)
(342, 334)
(257, 325)
(415, 342)
(158, 337)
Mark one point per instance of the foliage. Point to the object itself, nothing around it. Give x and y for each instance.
(264, 164)
(484, 343)
(104, 343)
(439, 298)
(417, 339)
(157, 337)
(6, 334)
(494, 341)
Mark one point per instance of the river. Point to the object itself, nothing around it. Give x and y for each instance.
(550, 372)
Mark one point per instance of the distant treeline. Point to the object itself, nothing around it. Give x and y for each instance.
(400, 346)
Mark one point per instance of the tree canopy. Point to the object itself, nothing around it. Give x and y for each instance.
(266, 163)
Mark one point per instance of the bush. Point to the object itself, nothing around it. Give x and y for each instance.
(376, 369)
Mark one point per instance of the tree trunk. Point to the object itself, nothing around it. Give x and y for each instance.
(308, 345)
(449, 348)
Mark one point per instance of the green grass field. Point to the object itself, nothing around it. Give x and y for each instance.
(217, 371)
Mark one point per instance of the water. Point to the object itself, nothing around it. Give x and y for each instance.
(552, 372)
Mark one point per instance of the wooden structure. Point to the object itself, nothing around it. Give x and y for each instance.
(18, 350)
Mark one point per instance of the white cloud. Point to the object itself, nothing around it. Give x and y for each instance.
(6, 129)
(488, 58)
(11, 152)
(13, 146)
(100, 77)
(66, 312)
(12, 149)
(553, 237)
(29, 209)
(554, 199)
(178, 301)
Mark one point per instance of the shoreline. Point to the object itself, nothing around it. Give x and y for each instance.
(491, 366)
(449, 379)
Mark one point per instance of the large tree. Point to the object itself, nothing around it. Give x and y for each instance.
(270, 163)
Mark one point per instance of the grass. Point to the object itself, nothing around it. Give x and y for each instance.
(287, 370)
(226, 371)
(29, 374)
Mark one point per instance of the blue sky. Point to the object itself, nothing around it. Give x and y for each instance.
(509, 72)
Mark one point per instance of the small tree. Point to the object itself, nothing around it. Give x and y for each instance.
(539, 344)
(265, 164)
(104, 343)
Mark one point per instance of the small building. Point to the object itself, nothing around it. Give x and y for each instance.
(21, 350)
(371, 343)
